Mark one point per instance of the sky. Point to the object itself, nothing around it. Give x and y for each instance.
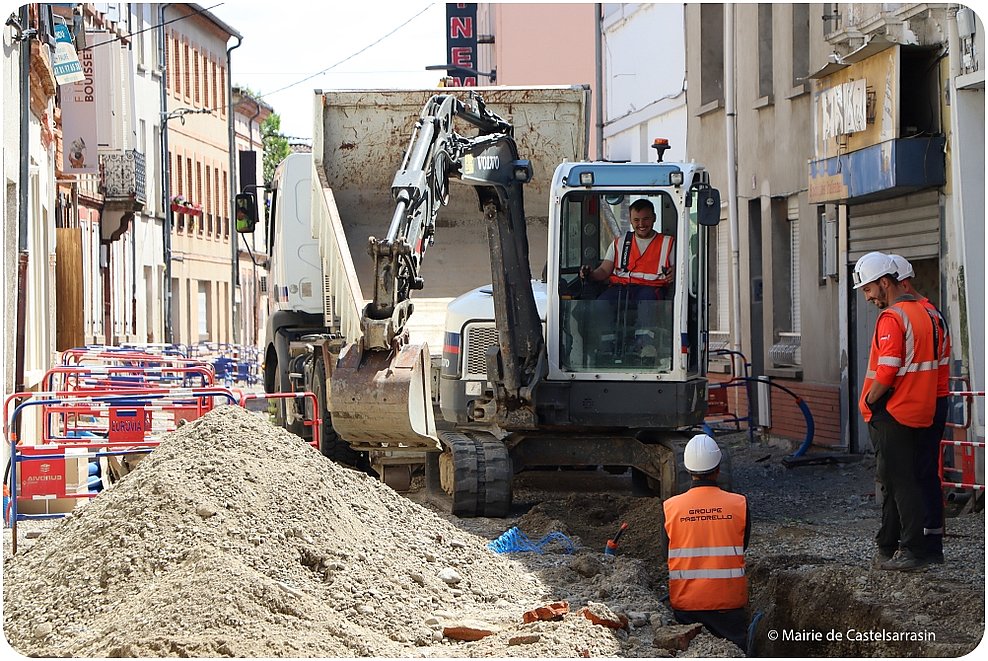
(341, 45)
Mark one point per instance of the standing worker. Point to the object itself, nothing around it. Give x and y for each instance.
(898, 399)
(708, 530)
(929, 475)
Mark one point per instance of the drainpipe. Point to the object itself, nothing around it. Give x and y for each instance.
(166, 186)
(22, 208)
(234, 186)
(599, 79)
(732, 169)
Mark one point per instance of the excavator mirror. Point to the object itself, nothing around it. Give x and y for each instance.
(246, 207)
(708, 206)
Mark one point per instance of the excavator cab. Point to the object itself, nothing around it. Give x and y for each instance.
(605, 331)
(606, 326)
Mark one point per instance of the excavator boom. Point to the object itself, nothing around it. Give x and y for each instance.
(376, 387)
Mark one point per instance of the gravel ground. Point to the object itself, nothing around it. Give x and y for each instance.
(235, 539)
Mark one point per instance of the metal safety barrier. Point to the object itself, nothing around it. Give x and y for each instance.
(964, 452)
(314, 423)
(83, 427)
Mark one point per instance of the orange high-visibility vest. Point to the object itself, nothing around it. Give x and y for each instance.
(914, 356)
(706, 549)
(654, 268)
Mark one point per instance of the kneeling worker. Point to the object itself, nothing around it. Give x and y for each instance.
(708, 530)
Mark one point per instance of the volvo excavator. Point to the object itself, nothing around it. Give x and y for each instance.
(534, 372)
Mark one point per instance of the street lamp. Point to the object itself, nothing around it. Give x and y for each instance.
(166, 230)
(492, 74)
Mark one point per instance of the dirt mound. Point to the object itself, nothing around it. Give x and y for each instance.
(236, 539)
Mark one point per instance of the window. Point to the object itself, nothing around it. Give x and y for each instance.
(222, 86)
(189, 188)
(212, 80)
(711, 53)
(158, 173)
(177, 190)
(197, 82)
(205, 306)
(216, 199)
(765, 51)
(199, 198)
(794, 310)
(226, 208)
(176, 67)
(186, 77)
(800, 43)
(786, 303)
(207, 205)
(139, 12)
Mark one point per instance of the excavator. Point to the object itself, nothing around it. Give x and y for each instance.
(534, 373)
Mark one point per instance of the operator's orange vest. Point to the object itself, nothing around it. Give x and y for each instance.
(653, 269)
(706, 549)
(913, 400)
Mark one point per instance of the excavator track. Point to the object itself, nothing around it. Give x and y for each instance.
(475, 471)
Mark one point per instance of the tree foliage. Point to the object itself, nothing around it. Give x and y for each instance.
(276, 147)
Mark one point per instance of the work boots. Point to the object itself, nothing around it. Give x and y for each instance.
(904, 560)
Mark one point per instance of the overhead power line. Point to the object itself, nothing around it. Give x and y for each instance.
(149, 28)
(348, 57)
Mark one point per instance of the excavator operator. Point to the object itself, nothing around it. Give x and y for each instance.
(637, 266)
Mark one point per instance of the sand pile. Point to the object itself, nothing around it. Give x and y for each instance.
(234, 538)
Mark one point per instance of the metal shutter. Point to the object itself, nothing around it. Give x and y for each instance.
(908, 225)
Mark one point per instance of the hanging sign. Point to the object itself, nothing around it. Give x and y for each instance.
(79, 146)
(461, 41)
(65, 62)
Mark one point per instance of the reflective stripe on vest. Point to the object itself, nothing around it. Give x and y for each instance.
(653, 267)
(683, 574)
(913, 400)
(706, 549)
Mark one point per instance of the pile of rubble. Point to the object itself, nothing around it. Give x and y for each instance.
(234, 538)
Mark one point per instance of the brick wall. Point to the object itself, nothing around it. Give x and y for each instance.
(788, 421)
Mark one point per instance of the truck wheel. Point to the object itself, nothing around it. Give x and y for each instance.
(330, 443)
(281, 407)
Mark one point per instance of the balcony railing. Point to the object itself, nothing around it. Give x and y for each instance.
(124, 188)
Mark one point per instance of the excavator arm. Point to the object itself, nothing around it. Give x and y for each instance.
(371, 392)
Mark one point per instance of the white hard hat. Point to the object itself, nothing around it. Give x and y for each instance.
(903, 266)
(701, 455)
(873, 266)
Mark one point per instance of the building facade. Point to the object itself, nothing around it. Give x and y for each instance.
(851, 134)
(644, 80)
(196, 109)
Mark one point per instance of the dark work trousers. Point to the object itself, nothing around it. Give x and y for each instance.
(626, 297)
(730, 624)
(897, 451)
(929, 477)
(634, 293)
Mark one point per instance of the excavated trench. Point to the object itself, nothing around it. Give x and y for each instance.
(804, 608)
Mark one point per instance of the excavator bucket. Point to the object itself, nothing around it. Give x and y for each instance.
(383, 400)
